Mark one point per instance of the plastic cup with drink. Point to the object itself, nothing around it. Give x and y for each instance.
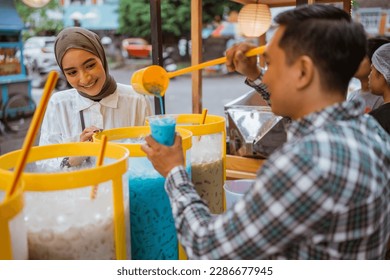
(163, 128)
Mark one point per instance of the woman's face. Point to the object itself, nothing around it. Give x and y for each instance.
(84, 71)
(377, 82)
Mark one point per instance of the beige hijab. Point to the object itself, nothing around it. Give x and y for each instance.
(83, 39)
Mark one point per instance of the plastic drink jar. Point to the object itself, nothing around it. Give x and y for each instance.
(62, 221)
(153, 232)
(13, 233)
(208, 156)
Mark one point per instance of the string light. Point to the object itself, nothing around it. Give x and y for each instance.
(254, 19)
(36, 3)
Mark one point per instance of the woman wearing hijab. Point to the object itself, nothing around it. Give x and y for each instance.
(96, 100)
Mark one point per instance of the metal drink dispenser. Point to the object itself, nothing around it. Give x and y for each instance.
(253, 130)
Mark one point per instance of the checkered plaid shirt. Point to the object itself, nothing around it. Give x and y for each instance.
(323, 195)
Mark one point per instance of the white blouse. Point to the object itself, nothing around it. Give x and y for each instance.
(62, 121)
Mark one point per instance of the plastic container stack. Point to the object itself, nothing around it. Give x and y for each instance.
(62, 221)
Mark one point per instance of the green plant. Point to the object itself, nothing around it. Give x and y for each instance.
(38, 21)
(134, 16)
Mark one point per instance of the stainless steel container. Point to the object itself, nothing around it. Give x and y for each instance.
(253, 130)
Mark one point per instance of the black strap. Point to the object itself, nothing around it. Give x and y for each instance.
(82, 120)
(65, 161)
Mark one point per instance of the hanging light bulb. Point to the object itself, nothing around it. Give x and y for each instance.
(36, 3)
(254, 19)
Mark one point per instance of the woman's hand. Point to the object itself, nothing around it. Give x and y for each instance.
(164, 158)
(85, 136)
(87, 133)
(237, 61)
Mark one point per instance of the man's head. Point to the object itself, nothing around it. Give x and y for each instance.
(329, 37)
(317, 48)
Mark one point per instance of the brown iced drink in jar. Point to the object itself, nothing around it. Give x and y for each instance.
(208, 180)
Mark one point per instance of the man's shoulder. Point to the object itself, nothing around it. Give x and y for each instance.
(337, 133)
(353, 94)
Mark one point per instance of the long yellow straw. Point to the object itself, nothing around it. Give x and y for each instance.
(204, 115)
(32, 131)
(99, 162)
(252, 52)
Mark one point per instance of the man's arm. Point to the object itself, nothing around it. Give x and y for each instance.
(259, 226)
(247, 66)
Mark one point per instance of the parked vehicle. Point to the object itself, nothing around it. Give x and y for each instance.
(169, 62)
(136, 48)
(39, 52)
(62, 83)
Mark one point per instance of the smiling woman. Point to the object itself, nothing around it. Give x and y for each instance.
(96, 101)
(84, 71)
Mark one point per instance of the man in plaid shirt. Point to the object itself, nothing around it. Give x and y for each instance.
(324, 194)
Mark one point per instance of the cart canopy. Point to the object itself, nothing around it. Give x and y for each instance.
(9, 17)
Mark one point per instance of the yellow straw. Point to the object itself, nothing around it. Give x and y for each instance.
(99, 162)
(32, 131)
(204, 115)
(252, 52)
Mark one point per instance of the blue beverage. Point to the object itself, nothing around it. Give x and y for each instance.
(163, 129)
(153, 233)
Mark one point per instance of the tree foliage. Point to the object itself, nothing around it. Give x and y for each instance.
(37, 20)
(134, 16)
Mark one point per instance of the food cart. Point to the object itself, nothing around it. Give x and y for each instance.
(16, 104)
(237, 166)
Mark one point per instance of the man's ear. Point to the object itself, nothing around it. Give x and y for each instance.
(305, 66)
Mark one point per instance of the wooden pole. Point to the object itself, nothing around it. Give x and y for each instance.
(196, 54)
(347, 5)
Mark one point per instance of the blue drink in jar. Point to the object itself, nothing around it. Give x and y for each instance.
(153, 233)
